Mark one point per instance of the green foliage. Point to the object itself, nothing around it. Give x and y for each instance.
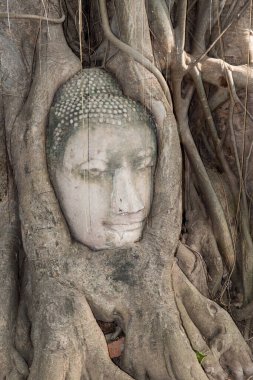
(200, 356)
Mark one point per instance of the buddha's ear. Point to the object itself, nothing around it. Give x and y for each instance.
(158, 111)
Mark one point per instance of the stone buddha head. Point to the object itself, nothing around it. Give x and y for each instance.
(101, 153)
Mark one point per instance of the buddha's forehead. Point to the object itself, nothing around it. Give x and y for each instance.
(110, 143)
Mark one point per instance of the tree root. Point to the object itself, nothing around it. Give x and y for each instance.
(130, 286)
(157, 337)
(211, 327)
(200, 238)
(68, 343)
(193, 268)
(9, 246)
(244, 313)
(22, 16)
(138, 57)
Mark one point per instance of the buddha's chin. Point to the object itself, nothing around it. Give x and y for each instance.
(126, 238)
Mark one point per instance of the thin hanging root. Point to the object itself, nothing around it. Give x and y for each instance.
(206, 109)
(138, 57)
(219, 222)
(247, 255)
(202, 23)
(162, 29)
(244, 313)
(248, 246)
(180, 28)
(220, 226)
(212, 130)
(234, 95)
(25, 16)
(193, 64)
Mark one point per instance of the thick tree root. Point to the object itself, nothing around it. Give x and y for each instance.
(212, 331)
(142, 302)
(193, 267)
(9, 246)
(159, 332)
(200, 238)
(68, 343)
(133, 288)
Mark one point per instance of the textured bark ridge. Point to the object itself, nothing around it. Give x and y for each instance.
(170, 293)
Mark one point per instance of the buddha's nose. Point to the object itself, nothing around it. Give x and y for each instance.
(125, 198)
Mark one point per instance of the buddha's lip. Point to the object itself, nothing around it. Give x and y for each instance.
(125, 226)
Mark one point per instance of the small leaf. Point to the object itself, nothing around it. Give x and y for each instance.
(200, 356)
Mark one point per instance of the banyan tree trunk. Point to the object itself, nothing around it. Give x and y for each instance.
(161, 291)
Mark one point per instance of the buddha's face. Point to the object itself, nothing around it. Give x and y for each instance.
(104, 183)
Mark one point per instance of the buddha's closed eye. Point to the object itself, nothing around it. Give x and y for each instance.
(92, 168)
(97, 168)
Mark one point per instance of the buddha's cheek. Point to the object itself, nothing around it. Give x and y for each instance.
(99, 192)
(144, 188)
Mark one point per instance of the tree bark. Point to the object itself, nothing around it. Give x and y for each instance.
(195, 246)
